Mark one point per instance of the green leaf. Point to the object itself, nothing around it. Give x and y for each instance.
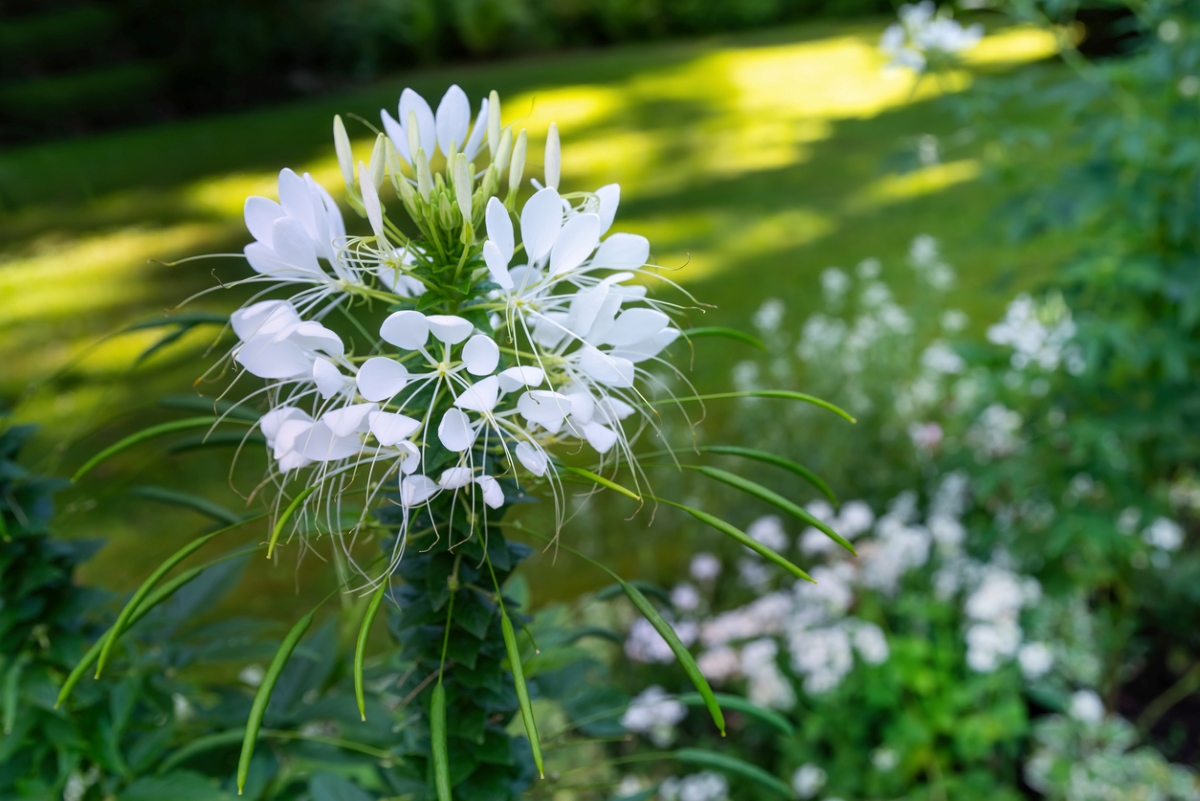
(741, 536)
(437, 738)
(684, 656)
(602, 481)
(360, 648)
(647, 588)
(189, 319)
(184, 785)
(287, 515)
(263, 696)
(327, 786)
(761, 393)
(217, 439)
(738, 704)
(727, 333)
(777, 461)
(221, 408)
(142, 436)
(778, 501)
(724, 762)
(514, 663)
(187, 500)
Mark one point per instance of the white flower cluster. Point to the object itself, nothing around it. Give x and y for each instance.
(926, 37)
(1039, 334)
(497, 351)
(655, 714)
(703, 786)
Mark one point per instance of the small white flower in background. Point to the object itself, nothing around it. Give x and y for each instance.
(720, 664)
(182, 707)
(1086, 707)
(1039, 334)
(1164, 534)
(705, 786)
(1035, 660)
(868, 269)
(755, 573)
(767, 686)
(808, 780)
(834, 285)
(705, 567)
(954, 320)
(926, 437)
(870, 643)
(655, 714)
(769, 316)
(924, 256)
(925, 37)
(884, 759)
(996, 433)
(768, 530)
(745, 376)
(645, 644)
(1127, 521)
(685, 598)
(941, 358)
(822, 656)
(252, 675)
(630, 784)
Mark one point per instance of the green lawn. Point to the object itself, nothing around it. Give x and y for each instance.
(752, 163)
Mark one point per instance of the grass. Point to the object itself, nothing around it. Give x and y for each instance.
(752, 163)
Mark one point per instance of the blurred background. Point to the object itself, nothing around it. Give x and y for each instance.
(934, 251)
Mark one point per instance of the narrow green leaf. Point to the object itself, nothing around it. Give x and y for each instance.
(741, 536)
(777, 461)
(713, 759)
(222, 408)
(12, 691)
(738, 704)
(4, 535)
(778, 501)
(189, 319)
(217, 439)
(154, 599)
(142, 436)
(602, 481)
(166, 339)
(286, 516)
(147, 585)
(437, 736)
(647, 588)
(263, 696)
(514, 661)
(762, 393)
(360, 649)
(684, 656)
(187, 500)
(727, 333)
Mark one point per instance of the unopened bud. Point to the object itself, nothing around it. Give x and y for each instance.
(503, 151)
(414, 134)
(463, 186)
(378, 161)
(553, 157)
(493, 124)
(424, 178)
(345, 156)
(518, 163)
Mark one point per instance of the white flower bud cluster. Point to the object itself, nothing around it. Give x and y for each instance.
(501, 345)
(925, 38)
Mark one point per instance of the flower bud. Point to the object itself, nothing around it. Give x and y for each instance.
(553, 157)
(414, 134)
(493, 124)
(503, 151)
(378, 161)
(424, 178)
(518, 163)
(463, 186)
(345, 156)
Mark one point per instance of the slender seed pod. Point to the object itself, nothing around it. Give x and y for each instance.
(360, 649)
(493, 124)
(263, 696)
(514, 661)
(437, 735)
(286, 516)
(553, 163)
(345, 156)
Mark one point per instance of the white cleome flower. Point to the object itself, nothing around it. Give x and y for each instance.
(924, 37)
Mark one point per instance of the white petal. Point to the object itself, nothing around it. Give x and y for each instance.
(497, 265)
(261, 214)
(455, 478)
(296, 199)
(391, 428)
(610, 196)
(321, 444)
(471, 148)
(550, 329)
(426, 127)
(455, 431)
(634, 325)
(605, 369)
(380, 378)
(622, 252)
(541, 220)
(543, 406)
(289, 434)
(481, 355)
(417, 489)
(270, 422)
(405, 329)
(480, 396)
(610, 410)
(453, 117)
(606, 315)
(349, 419)
(599, 437)
(449, 328)
(262, 318)
(515, 378)
(585, 307)
(313, 336)
(370, 198)
(647, 348)
(294, 246)
(583, 406)
(575, 243)
(266, 358)
(395, 132)
(412, 458)
(500, 228)
(533, 459)
(328, 378)
(493, 496)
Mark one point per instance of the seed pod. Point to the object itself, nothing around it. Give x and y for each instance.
(437, 736)
(514, 662)
(360, 649)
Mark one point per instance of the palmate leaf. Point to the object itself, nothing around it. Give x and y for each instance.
(143, 435)
(778, 501)
(186, 500)
(725, 333)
